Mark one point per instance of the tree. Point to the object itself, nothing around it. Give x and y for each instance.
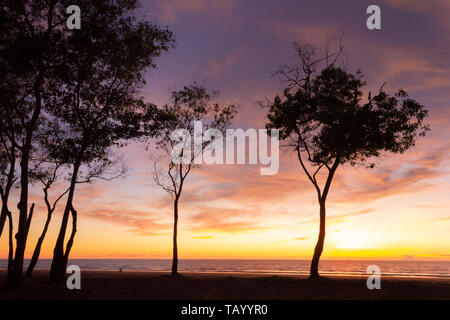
(98, 107)
(48, 176)
(323, 118)
(97, 70)
(191, 109)
(30, 52)
(8, 157)
(8, 177)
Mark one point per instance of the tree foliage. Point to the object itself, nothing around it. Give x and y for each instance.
(72, 94)
(323, 117)
(99, 106)
(190, 106)
(328, 119)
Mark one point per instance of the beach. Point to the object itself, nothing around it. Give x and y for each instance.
(115, 285)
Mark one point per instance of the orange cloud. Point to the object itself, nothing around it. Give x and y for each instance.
(138, 222)
(210, 219)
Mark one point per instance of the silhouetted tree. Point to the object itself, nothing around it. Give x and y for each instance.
(30, 55)
(189, 106)
(96, 70)
(99, 107)
(323, 117)
(8, 177)
(47, 176)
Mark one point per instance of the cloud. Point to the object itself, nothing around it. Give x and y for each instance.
(393, 175)
(435, 10)
(289, 31)
(202, 237)
(138, 222)
(169, 9)
(413, 68)
(242, 183)
(217, 66)
(399, 174)
(441, 218)
(210, 219)
(439, 255)
(339, 218)
(302, 238)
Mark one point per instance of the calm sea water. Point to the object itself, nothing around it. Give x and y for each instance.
(438, 269)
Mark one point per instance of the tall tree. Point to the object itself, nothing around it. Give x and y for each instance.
(191, 109)
(47, 175)
(30, 53)
(97, 70)
(324, 118)
(8, 177)
(99, 106)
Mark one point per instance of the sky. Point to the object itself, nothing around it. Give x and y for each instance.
(398, 210)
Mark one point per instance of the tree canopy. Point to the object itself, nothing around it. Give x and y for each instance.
(328, 119)
(324, 117)
(190, 107)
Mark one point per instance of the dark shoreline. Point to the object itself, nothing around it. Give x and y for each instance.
(98, 285)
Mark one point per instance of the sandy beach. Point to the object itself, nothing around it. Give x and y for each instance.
(200, 286)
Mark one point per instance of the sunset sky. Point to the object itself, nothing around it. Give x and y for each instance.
(398, 210)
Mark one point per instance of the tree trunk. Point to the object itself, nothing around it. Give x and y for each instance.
(314, 271)
(58, 267)
(5, 196)
(175, 232)
(7, 214)
(37, 249)
(59, 263)
(3, 217)
(11, 245)
(15, 277)
(72, 236)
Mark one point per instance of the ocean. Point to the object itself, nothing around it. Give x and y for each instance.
(415, 269)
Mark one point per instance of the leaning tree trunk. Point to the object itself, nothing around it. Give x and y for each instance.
(314, 271)
(15, 276)
(58, 267)
(59, 262)
(3, 216)
(9, 183)
(37, 249)
(72, 236)
(175, 233)
(11, 244)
